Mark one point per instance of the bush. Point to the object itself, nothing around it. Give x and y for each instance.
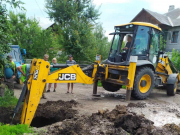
(14, 129)
(99, 84)
(175, 58)
(8, 100)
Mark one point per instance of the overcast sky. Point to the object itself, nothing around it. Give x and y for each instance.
(113, 12)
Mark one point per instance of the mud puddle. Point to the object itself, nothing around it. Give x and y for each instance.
(113, 94)
(158, 113)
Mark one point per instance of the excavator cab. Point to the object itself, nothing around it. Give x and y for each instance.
(143, 43)
(150, 69)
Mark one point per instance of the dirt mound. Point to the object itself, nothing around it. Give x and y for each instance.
(6, 115)
(137, 105)
(117, 122)
(53, 111)
(83, 125)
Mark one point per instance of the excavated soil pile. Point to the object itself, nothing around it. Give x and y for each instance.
(6, 115)
(53, 111)
(116, 122)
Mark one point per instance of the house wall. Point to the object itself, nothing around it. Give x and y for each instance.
(169, 45)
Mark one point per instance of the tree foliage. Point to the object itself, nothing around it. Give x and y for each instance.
(102, 44)
(75, 21)
(28, 34)
(4, 36)
(175, 58)
(4, 28)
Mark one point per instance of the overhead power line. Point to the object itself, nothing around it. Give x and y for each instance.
(40, 8)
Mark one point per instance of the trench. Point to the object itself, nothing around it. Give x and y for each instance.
(52, 112)
(42, 121)
(46, 114)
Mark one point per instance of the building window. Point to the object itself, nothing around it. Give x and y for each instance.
(174, 38)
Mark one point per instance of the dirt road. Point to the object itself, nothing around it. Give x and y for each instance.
(158, 107)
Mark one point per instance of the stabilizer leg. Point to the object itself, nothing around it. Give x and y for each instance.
(95, 87)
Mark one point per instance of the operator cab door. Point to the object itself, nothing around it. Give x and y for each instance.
(141, 43)
(154, 47)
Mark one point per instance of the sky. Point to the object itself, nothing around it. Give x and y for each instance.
(113, 12)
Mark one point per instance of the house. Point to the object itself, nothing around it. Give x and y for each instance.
(168, 22)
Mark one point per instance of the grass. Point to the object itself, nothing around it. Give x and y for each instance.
(14, 129)
(124, 87)
(99, 84)
(8, 100)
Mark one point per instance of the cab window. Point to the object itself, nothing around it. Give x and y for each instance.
(141, 41)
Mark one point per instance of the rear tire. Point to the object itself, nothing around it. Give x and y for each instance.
(172, 88)
(143, 83)
(110, 87)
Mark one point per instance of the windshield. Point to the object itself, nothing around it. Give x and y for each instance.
(115, 46)
(120, 46)
(15, 54)
(141, 41)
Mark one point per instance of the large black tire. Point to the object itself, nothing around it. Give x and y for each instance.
(110, 87)
(171, 88)
(142, 92)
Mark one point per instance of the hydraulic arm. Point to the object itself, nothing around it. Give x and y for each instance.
(39, 77)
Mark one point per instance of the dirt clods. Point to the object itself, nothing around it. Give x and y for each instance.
(119, 121)
(53, 111)
(137, 105)
(116, 122)
(6, 115)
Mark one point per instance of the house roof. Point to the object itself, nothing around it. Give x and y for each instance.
(171, 18)
(161, 18)
(141, 23)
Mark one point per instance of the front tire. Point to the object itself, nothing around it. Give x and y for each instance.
(143, 83)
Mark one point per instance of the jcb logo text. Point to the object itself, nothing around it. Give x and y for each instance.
(67, 77)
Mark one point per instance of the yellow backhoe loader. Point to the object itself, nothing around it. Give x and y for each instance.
(140, 67)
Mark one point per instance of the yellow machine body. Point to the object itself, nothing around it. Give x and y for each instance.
(138, 79)
(73, 74)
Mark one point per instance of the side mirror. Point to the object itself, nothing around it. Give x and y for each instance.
(24, 51)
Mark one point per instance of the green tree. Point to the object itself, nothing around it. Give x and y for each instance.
(175, 58)
(4, 28)
(29, 35)
(75, 21)
(102, 44)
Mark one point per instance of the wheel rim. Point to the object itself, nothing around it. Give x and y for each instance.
(175, 87)
(147, 79)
